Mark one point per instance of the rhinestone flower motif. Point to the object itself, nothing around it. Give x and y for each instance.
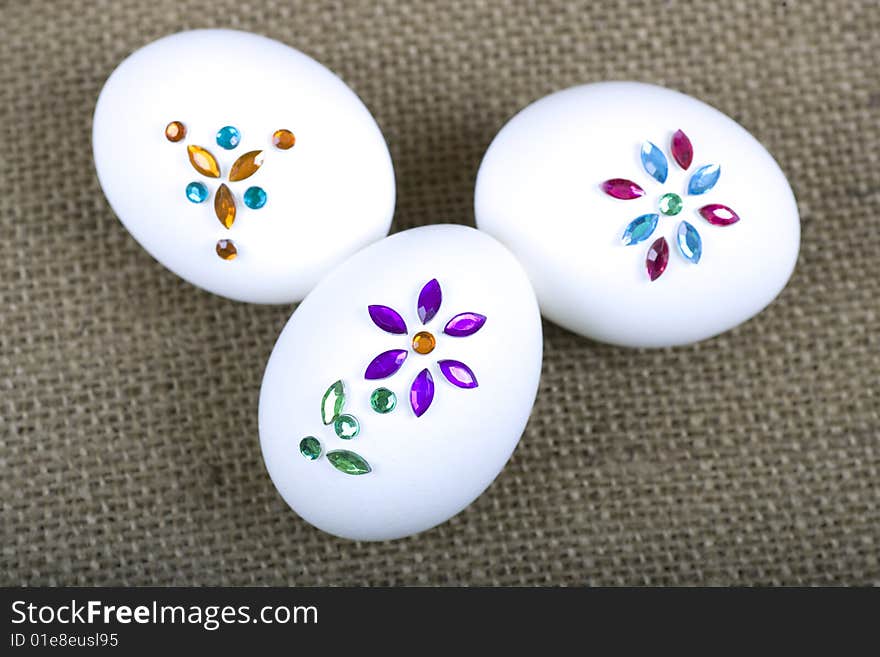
(690, 245)
(421, 392)
(204, 162)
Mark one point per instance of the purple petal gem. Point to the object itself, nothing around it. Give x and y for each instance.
(421, 394)
(429, 300)
(464, 325)
(387, 319)
(385, 364)
(458, 373)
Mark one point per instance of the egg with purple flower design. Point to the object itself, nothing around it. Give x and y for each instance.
(402, 384)
(644, 217)
(421, 393)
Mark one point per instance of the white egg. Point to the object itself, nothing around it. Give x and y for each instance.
(541, 192)
(452, 306)
(323, 198)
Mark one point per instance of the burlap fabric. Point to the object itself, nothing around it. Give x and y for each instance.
(128, 398)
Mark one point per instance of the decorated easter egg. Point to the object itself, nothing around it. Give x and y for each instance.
(644, 217)
(402, 384)
(241, 164)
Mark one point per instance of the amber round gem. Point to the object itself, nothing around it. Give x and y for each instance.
(424, 342)
(226, 249)
(175, 131)
(283, 139)
(224, 206)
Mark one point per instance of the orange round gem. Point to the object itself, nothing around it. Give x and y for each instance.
(283, 139)
(175, 131)
(423, 342)
(226, 249)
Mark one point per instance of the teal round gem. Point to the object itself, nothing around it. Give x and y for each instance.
(255, 197)
(196, 192)
(671, 204)
(383, 400)
(310, 447)
(346, 426)
(228, 137)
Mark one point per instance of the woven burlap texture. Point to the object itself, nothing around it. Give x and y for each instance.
(128, 413)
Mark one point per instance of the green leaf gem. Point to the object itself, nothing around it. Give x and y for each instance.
(331, 404)
(348, 462)
(383, 400)
(346, 426)
(310, 447)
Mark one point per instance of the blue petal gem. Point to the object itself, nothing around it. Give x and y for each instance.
(228, 137)
(654, 162)
(704, 179)
(196, 192)
(689, 242)
(640, 229)
(255, 198)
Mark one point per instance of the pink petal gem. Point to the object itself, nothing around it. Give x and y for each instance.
(682, 149)
(622, 188)
(719, 215)
(658, 256)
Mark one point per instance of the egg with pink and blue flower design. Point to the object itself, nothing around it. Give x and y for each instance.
(643, 216)
(401, 385)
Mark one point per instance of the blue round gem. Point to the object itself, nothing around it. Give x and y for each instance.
(196, 192)
(228, 137)
(255, 197)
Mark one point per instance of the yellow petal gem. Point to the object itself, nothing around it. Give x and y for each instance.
(203, 161)
(226, 249)
(224, 206)
(246, 166)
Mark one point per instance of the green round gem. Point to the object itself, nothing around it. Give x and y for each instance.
(346, 426)
(310, 447)
(383, 400)
(671, 204)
